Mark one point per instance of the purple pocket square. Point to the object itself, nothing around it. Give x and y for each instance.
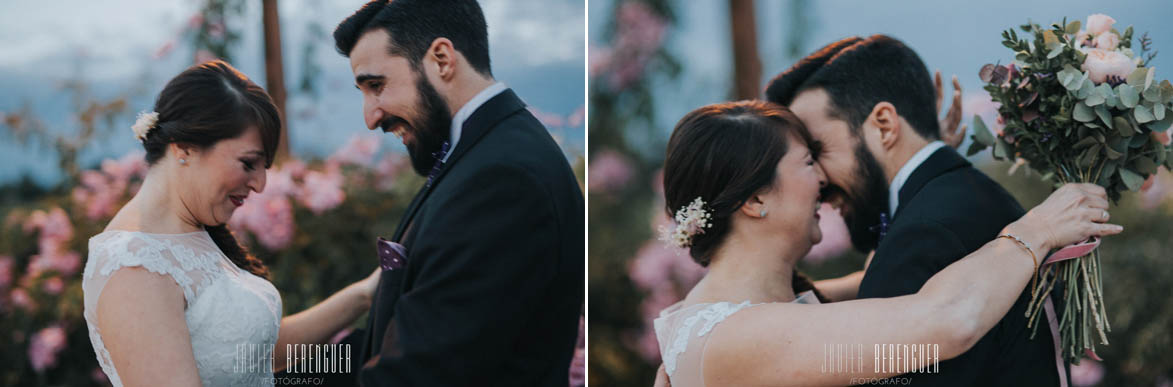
(391, 255)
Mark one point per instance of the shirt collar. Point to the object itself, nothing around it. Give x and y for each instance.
(906, 171)
(465, 111)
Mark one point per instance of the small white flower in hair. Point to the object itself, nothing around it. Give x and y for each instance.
(690, 221)
(143, 124)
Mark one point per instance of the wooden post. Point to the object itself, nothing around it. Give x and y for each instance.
(747, 66)
(274, 72)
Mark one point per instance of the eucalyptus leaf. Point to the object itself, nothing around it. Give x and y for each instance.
(1085, 142)
(1113, 101)
(1143, 114)
(1122, 126)
(1095, 98)
(1138, 141)
(1119, 144)
(974, 148)
(981, 133)
(1161, 125)
(1145, 166)
(1056, 49)
(1129, 96)
(1001, 149)
(1137, 78)
(1131, 179)
(1085, 158)
(1068, 76)
(1153, 94)
(1109, 168)
(1049, 39)
(1112, 153)
(1102, 112)
(1085, 89)
(1072, 28)
(1081, 113)
(987, 72)
(1159, 111)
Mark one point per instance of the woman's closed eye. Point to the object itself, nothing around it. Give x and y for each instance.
(249, 165)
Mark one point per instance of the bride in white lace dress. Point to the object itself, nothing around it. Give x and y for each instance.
(745, 190)
(170, 297)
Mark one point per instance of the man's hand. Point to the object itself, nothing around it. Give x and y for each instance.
(949, 133)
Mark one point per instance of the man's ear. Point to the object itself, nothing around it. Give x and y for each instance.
(444, 55)
(885, 119)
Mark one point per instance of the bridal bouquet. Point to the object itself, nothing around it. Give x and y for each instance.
(1078, 104)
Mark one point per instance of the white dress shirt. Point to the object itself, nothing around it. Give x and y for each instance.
(906, 171)
(465, 111)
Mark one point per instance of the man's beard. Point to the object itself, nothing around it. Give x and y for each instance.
(866, 201)
(430, 133)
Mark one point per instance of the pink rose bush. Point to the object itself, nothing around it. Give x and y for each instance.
(305, 204)
(639, 35)
(609, 171)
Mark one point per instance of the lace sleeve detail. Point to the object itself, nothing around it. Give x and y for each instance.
(176, 259)
(676, 331)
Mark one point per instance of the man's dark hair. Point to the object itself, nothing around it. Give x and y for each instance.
(857, 74)
(414, 24)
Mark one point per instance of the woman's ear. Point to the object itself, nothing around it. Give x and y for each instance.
(183, 152)
(755, 207)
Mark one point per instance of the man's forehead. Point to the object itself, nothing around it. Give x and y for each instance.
(369, 51)
(811, 103)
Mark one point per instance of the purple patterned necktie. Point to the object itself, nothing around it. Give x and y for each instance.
(439, 156)
(881, 228)
(391, 255)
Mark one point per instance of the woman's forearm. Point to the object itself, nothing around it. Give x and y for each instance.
(976, 291)
(318, 323)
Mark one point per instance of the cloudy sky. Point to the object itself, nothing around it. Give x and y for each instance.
(537, 48)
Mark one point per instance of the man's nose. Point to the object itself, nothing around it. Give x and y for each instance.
(372, 114)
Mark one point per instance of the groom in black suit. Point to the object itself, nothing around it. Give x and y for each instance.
(492, 285)
(908, 196)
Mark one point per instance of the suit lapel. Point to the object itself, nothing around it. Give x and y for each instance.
(475, 127)
(942, 161)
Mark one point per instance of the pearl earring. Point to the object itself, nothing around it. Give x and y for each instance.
(183, 161)
(763, 213)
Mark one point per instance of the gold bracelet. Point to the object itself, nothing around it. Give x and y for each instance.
(1035, 274)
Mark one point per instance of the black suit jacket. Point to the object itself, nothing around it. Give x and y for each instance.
(493, 286)
(948, 209)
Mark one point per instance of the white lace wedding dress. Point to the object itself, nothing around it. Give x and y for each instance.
(226, 307)
(683, 333)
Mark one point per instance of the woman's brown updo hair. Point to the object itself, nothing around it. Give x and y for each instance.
(725, 153)
(203, 105)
